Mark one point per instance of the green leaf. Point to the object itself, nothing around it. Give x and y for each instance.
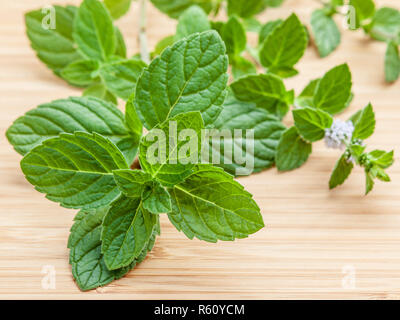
(54, 44)
(88, 267)
(156, 199)
(326, 33)
(118, 8)
(120, 49)
(94, 31)
(267, 29)
(310, 89)
(382, 158)
(193, 20)
(120, 77)
(242, 67)
(267, 91)
(126, 231)
(174, 8)
(131, 118)
(98, 90)
(369, 182)
(305, 99)
(137, 183)
(75, 169)
(392, 62)
(70, 115)
(245, 8)
(252, 25)
(211, 206)
(284, 46)
(364, 9)
(273, 3)
(364, 123)
(312, 123)
(292, 151)
(81, 72)
(234, 36)
(132, 182)
(266, 132)
(341, 172)
(334, 90)
(385, 24)
(189, 76)
(162, 45)
(170, 150)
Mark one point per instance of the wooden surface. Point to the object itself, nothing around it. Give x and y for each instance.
(313, 235)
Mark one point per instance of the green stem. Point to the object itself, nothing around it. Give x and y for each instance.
(142, 38)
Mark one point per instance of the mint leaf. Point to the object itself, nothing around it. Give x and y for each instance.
(70, 115)
(189, 76)
(120, 45)
(132, 182)
(234, 36)
(156, 199)
(305, 99)
(310, 89)
(334, 90)
(242, 67)
(245, 8)
(312, 123)
(193, 20)
(267, 130)
(326, 33)
(267, 29)
(382, 158)
(267, 91)
(54, 47)
(364, 123)
(252, 25)
(171, 149)
(137, 183)
(120, 77)
(369, 182)
(99, 90)
(211, 206)
(273, 3)
(392, 62)
(75, 169)
(284, 46)
(174, 8)
(341, 172)
(81, 72)
(162, 45)
(375, 163)
(126, 231)
(88, 266)
(385, 24)
(94, 32)
(364, 9)
(118, 8)
(132, 120)
(292, 151)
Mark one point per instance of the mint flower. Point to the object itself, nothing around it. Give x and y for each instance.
(339, 134)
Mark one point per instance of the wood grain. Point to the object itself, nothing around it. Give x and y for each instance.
(311, 235)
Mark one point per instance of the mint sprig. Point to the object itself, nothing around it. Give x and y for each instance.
(382, 24)
(79, 151)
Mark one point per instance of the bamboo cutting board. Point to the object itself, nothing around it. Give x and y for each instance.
(317, 243)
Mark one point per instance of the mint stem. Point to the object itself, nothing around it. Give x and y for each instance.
(142, 39)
